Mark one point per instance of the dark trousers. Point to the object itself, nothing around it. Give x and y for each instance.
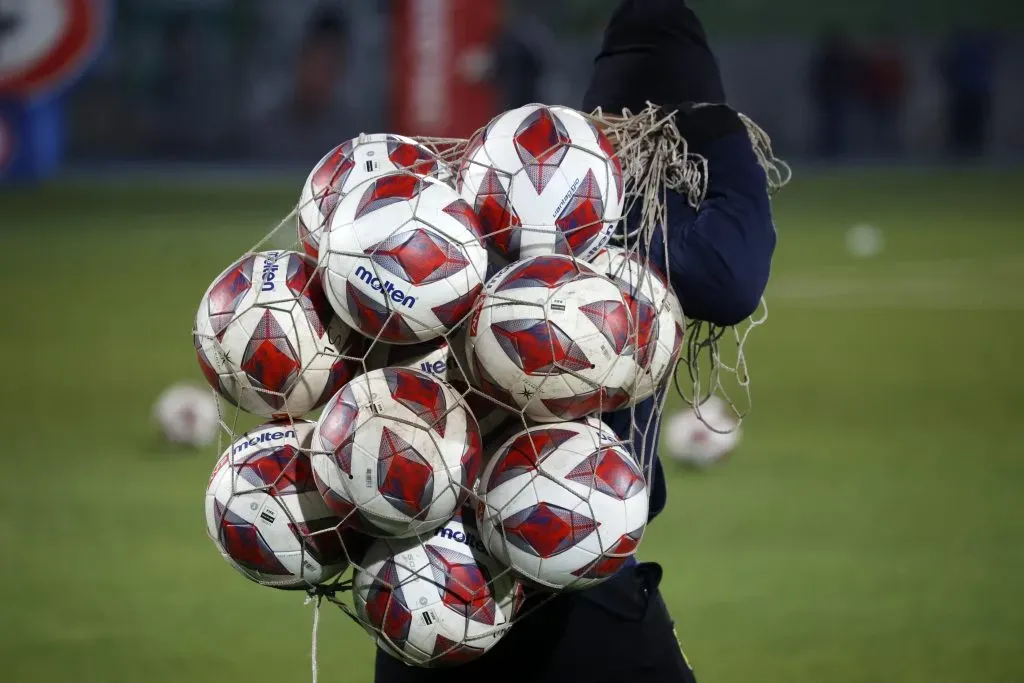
(619, 631)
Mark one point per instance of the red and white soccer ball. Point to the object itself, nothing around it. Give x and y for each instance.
(395, 452)
(266, 338)
(265, 515)
(562, 505)
(403, 261)
(431, 357)
(440, 602)
(703, 437)
(656, 312)
(544, 180)
(348, 166)
(552, 337)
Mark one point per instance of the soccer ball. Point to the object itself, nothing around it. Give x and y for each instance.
(544, 180)
(187, 415)
(266, 339)
(403, 260)
(562, 505)
(440, 602)
(656, 312)
(395, 452)
(552, 337)
(704, 439)
(265, 515)
(347, 166)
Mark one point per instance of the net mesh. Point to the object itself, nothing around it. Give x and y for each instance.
(400, 587)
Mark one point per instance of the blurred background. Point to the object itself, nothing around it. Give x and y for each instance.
(870, 526)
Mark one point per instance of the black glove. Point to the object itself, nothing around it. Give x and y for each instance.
(653, 50)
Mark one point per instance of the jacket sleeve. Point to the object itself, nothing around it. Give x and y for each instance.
(719, 256)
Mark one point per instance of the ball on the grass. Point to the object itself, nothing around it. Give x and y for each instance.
(563, 505)
(187, 415)
(440, 601)
(396, 452)
(703, 437)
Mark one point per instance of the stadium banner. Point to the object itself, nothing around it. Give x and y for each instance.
(45, 46)
(441, 66)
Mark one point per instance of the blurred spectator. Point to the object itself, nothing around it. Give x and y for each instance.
(832, 70)
(518, 60)
(968, 72)
(314, 116)
(883, 90)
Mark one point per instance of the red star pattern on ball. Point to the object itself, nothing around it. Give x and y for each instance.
(526, 452)
(411, 156)
(601, 400)
(404, 478)
(550, 272)
(541, 141)
(546, 529)
(612, 321)
(305, 285)
(606, 146)
(337, 425)
(421, 394)
(451, 653)
(610, 472)
(330, 177)
(461, 211)
(387, 190)
(498, 218)
(418, 256)
(227, 293)
(386, 608)
(612, 559)
(539, 347)
(375, 320)
(465, 584)
(244, 544)
(283, 470)
(270, 361)
(582, 219)
(452, 312)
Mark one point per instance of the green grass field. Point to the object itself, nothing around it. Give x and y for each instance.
(870, 528)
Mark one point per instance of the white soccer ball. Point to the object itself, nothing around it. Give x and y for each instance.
(266, 339)
(265, 515)
(395, 452)
(551, 337)
(562, 505)
(657, 316)
(187, 415)
(544, 180)
(403, 261)
(703, 437)
(345, 168)
(440, 602)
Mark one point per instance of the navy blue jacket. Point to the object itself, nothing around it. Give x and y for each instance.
(719, 260)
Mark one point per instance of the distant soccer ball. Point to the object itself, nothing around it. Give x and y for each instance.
(403, 260)
(395, 452)
(702, 440)
(349, 165)
(562, 505)
(187, 415)
(552, 337)
(544, 180)
(265, 515)
(440, 602)
(656, 312)
(266, 339)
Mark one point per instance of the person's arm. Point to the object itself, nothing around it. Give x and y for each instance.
(719, 257)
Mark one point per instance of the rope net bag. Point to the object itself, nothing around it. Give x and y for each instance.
(411, 390)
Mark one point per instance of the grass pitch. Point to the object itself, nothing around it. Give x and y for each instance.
(869, 528)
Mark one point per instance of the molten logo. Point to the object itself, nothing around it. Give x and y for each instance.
(261, 439)
(270, 268)
(437, 367)
(461, 537)
(397, 295)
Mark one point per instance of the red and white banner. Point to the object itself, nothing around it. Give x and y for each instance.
(441, 62)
